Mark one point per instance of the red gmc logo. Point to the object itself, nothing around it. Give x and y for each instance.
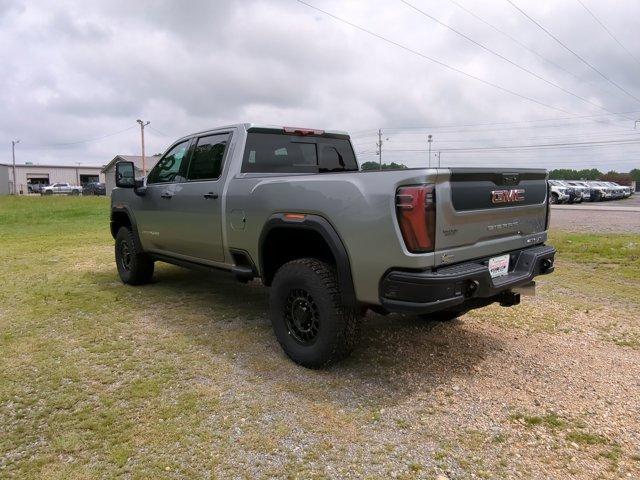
(507, 196)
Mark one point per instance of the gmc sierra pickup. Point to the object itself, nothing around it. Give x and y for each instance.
(290, 206)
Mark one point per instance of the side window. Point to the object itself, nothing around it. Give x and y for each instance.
(276, 153)
(206, 161)
(171, 167)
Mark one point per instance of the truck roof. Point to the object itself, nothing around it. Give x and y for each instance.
(247, 126)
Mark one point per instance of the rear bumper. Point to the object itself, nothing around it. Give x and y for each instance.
(462, 285)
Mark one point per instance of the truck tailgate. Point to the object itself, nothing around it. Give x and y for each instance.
(486, 211)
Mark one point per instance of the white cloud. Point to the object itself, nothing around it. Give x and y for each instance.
(76, 71)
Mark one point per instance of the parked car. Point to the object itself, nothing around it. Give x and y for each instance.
(583, 188)
(561, 192)
(620, 191)
(35, 187)
(290, 206)
(62, 189)
(604, 192)
(94, 188)
(616, 190)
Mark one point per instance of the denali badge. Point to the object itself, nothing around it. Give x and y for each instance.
(507, 196)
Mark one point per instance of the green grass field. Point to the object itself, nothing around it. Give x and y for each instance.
(183, 378)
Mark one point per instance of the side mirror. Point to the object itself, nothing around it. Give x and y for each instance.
(125, 175)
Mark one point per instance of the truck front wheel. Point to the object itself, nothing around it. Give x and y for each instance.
(311, 324)
(134, 267)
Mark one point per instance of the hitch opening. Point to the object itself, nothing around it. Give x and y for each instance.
(509, 299)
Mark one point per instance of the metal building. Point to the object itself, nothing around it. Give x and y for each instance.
(31, 174)
(109, 170)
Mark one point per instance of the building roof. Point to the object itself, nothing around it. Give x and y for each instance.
(49, 165)
(150, 161)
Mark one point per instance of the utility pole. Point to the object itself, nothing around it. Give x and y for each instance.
(78, 173)
(429, 139)
(13, 155)
(439, 158)
(379, 145)
(144, 164)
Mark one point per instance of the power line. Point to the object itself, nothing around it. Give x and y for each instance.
(159, 132)
(574, 53)
(608, 31)
(371, 132)
(531, 146)
(502, 57)
(80, 141)
(438, 62)
(520, 139)
(513, 39)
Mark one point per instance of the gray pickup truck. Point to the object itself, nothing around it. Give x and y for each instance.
(290, 206)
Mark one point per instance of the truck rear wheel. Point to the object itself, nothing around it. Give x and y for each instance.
(311, 324)
(134, 266)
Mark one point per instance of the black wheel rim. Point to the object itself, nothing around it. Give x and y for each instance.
(125, 256)
(302, 316)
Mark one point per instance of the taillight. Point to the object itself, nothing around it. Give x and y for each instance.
(416, 210)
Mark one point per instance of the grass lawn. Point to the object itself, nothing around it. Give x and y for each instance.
(183, 378)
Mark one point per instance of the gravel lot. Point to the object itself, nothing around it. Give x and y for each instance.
(183, 378)
(584, 218)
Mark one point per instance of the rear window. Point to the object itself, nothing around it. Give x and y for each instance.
(282, 153)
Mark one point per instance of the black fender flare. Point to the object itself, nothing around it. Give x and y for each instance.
(322, 226)
(132, 220)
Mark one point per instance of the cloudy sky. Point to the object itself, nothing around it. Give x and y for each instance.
(76, 76)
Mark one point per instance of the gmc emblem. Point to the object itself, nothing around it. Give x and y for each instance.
(507, 196)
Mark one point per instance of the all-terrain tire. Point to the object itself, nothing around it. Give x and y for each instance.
(134, 266)
(309, 320)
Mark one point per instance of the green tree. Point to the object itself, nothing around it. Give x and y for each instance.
(385, 166)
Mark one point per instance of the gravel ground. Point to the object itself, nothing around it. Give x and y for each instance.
(183, 378)
(579, 219)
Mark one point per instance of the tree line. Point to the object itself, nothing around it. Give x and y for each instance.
(595, 174)
(557, 174)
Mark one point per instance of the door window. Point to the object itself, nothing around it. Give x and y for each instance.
(206, 161)
(171, 167)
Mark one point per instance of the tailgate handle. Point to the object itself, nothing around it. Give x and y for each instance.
(211, 195)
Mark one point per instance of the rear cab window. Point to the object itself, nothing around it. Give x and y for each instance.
(275, 151)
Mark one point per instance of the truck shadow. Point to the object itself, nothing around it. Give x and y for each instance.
(396, 356)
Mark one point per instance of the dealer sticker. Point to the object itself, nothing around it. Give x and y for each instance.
(499, 266)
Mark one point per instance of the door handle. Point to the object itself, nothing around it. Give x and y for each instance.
(211, 195)
(166, 195)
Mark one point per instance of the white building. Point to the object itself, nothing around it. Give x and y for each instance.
(5, 180)
(30, 174)
(109, 170)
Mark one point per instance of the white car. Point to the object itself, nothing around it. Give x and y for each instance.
(625, 192)
(62, 189)
(582, 187)
(603, 191)
(559, 192)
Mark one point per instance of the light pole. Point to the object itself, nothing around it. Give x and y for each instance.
(78, 173)
(429, 139)
(144, 164)
(379, 145)
(13, 155)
